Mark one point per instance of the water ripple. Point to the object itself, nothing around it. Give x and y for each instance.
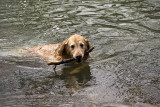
(125, 65)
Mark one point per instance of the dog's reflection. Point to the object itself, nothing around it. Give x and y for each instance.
(77, 76)
(71, 76)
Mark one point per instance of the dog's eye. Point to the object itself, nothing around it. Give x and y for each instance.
(72, 46)
(81, 45)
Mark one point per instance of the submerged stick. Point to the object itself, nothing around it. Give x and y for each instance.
(69, 60)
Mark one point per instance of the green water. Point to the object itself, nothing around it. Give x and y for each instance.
(125, 65)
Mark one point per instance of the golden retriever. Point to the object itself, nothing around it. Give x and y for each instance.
(73, 47)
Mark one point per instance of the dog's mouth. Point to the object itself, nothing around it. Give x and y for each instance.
(78, 60)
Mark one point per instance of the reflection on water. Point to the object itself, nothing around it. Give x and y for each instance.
(57, 82)
(76, 77)
(126, 61)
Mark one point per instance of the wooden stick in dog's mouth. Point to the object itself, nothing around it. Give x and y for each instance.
(70, 59)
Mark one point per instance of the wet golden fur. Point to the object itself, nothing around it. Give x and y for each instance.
(73, 47)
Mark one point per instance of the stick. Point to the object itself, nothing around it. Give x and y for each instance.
(89, 50)
(69, 60)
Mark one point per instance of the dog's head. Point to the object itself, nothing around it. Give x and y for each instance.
(75, 46)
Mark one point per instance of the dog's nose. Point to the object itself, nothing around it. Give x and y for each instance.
(79, 56)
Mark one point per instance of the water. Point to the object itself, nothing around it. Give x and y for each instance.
(125, 65)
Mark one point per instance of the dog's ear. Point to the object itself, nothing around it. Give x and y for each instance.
(88, 44)
(62, 48)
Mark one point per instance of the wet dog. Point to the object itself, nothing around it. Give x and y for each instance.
(73, 47)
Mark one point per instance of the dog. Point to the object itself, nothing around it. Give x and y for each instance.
(73, 47)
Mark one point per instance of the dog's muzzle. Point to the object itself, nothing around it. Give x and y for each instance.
(78, 58)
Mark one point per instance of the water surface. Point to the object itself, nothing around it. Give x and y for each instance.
(125, 65)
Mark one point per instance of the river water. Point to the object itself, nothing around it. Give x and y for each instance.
(124, 70)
